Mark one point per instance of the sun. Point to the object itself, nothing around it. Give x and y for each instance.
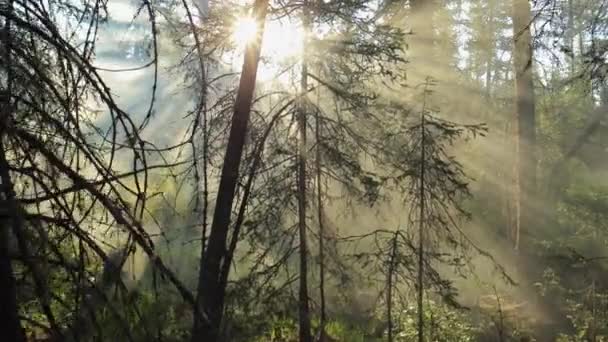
(245, 31)
(282, 38)
(281, 42)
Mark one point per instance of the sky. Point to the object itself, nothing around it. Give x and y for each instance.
(124, 43)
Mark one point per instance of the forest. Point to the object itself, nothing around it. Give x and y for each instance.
(304, 170)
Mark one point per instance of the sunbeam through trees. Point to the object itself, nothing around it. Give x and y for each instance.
(303, 170)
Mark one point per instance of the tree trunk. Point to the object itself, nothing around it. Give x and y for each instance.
(425, 62)
(389, 288)
(304, 310)
(10, 325)
(321, 228)
(421, 54)
(525, 113)
(421, 226)
(211, 293)
(569, 37)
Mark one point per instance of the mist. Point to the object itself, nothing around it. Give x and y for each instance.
(304, 170)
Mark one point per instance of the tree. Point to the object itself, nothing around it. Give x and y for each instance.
(10, 325)
(304, 310)
(60, 175)
(421, 50)
(322, 233)
(525, 117)
(211, 293)
(344, 56)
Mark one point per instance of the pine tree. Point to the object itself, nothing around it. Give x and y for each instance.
(10, 326)
(303, 301)
(345, 56)
(211, 292)
(60, 176)
(526, 122)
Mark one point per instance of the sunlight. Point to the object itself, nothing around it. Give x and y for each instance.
(245, 31)
(282, 40)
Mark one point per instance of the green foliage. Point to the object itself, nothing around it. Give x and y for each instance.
(147, 316)
(342, 330)
(286, 330)
(583, 308)
(588, 322)
(280, 330)
(442, 324)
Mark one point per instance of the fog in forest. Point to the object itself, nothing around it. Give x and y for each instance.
(310, 170)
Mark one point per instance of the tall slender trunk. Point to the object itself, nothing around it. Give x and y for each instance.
(10, 325)
(525, 113)
(304, 310)
(422, 43)
(205, 129)
(211, 293)
(320, 218)
(421, 219)
(489, 78)
(570, 37)
(424, 60)
(491, 49)
(389, 288)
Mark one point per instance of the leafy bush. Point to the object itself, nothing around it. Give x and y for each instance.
(441, 324)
